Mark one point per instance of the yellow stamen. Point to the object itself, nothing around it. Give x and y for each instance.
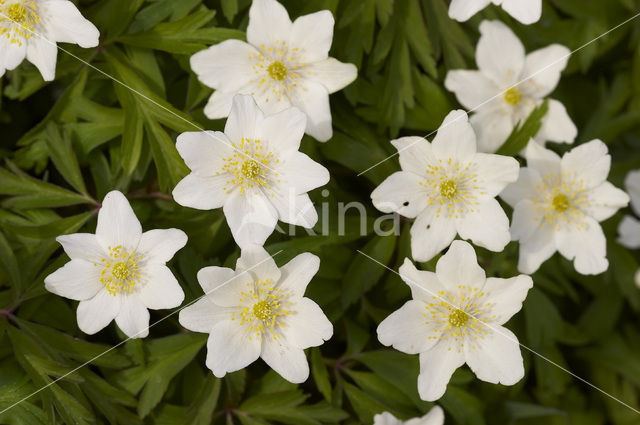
(277, 71)
(513, 96)
(561, 202)
(448, 189)
(458, 318)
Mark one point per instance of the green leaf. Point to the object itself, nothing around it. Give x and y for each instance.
(10, 264)
(522, 134)
(64, 158)
(320, 374)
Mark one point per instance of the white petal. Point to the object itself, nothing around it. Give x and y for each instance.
(499, 53)
(295, 209)
(202, 315)
(133, 317)
(229, 348)
(307, 326)
(161, 289)
(435, 416)
(542, 69)
(331, 73)
(43, 54)
(524, 188)
(158, 246)
(604, 201)
(290, 362)
(76, 280)
(436, 367)
(212, 279)
(589, 163)
(297, 274)
(487, 226)
(313, 99)
(219, 105)
(225, 66)
(415, 154)
(203, 193)
(495, 357)
(83, 246)
(632, 184)
(544, 161)
(11, 54)
(492, 127)
(536, 249)
(401, 192)
(506, 296)
(455, 138)
(526, 220)
(312, 34)
(303, 173)
(256, 261)
(459, 266)
(66, 24)
(251, 217)
(557, 125)
(462, 10)
(628, 232)
(244, 118)
(268, 22)
(96, 313)
(586, 246)
(283, 131)
(424, 284)
(117, 223)
(408, 329)
(472, 88)
(525, 11)
(204, 151)
(495, 172)
(430, 234)
(386, 418)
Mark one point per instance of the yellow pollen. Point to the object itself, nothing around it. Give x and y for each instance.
(277, 71)
(263, 310)
(17, 12)
(513, 96)
(121, 270)
(250, 169)
(448, 189)
(458, 318)
(561, 202)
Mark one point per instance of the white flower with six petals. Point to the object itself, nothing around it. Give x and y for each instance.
(455, 317)
(509, 85)
(435, 416)
(558, 204)
(259, 310)
(450, 188)
(118, 273)
(253, 170)
(31, 28)
(525, 11)
(284, 63)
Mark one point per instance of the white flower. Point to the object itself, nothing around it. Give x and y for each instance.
(31, 28)
(525, 11)
(629, 227)
(525, 80)
(253, 171)
(119, 272)
(456, 317)
(450, 188)
(434, 417)
(282, 64)
(557, 204)
(259, 311)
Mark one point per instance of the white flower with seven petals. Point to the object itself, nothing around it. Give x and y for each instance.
(259, 311)
(509, 85)
(558, 204)
(450, 188)
(525, 11)
(282, 64)
(629, 227)
(434, 417)
(253, 170)
(31, 28)
(118, 273)
(455, 317)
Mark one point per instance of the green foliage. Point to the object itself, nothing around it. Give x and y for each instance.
(111, 123)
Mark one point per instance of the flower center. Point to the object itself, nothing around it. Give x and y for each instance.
(513, 96)
(17, 12)
(458, 318)
(560, 202)
(248, 167)
(18, 20)
(120, 270)
(263, 310)
(448, 189)
(277, 71)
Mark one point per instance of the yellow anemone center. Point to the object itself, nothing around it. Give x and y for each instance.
(250, 169)
(458, 318)
(448, 189)
(121, 270)
(277, 71)
(513, 96)
(17, 12)
(263, 310)
(561, 202)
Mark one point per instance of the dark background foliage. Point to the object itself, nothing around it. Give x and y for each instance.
(65, 144)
